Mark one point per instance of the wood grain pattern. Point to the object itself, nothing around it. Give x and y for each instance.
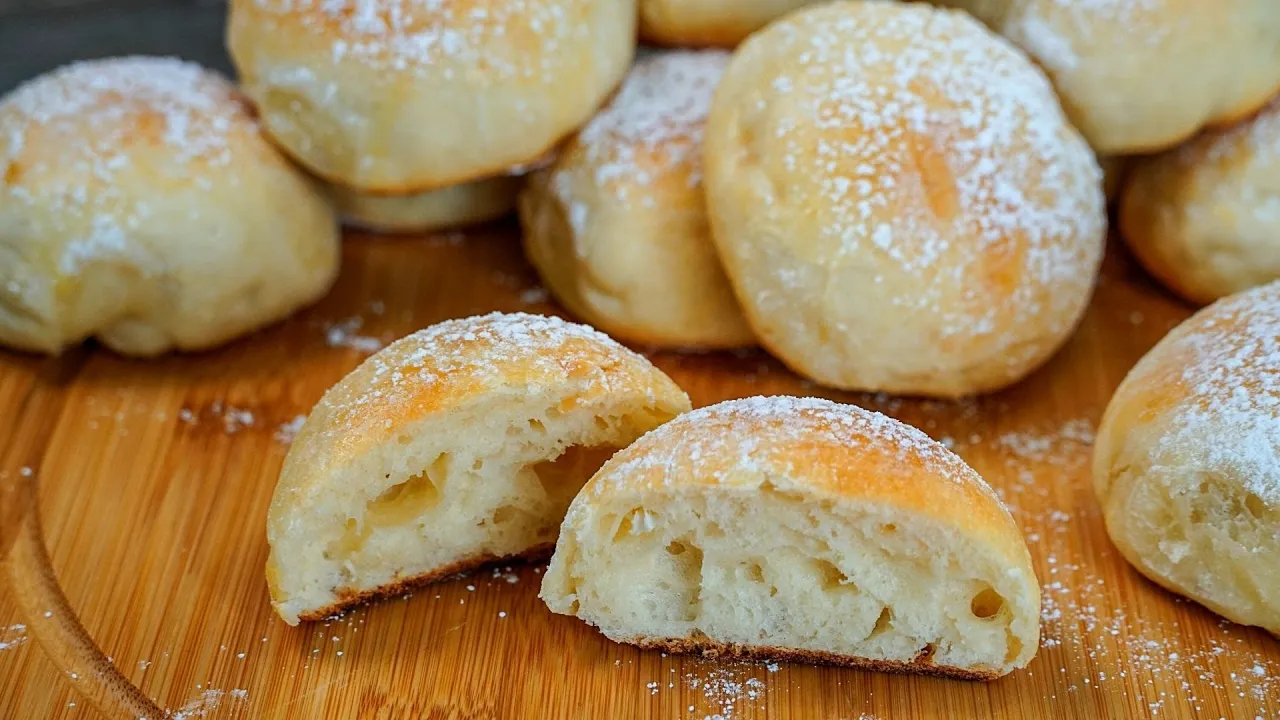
(151, 489)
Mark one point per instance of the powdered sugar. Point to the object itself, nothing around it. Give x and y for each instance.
(513, 38)
(1229, 422)
(475, 353)
(74, 131)
(760, 433)
(654, 125)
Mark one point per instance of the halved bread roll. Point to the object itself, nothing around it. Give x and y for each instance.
(458, 445)
(799, 529)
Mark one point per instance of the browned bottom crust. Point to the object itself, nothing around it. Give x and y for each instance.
(351, 597)
(922, 664)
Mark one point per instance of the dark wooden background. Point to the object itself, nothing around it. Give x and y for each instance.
(39, 35)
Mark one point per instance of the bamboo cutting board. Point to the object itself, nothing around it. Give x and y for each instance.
(133, 498)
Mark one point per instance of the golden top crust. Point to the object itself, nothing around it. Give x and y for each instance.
(1205, 400)
(458, 363)
(1202, 217)
(1142, 75)
(67, 137)
(818, 448)
(650, 134)
(910, 152)
(490, 38)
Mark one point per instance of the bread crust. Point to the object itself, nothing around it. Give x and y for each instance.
(461, 205)
(920, 665)
(349, 598)
(1142, 77)
(1199, 217)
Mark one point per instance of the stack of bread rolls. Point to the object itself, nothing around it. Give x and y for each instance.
(888, 196)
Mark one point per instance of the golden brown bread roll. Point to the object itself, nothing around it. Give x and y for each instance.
(899, 201)
(457, 445)
(405, 96)
(140, 204)
(1140, 76)
(1204, 218)
(799, 529)
(1187, 460)
(716, 23)
(617, 226)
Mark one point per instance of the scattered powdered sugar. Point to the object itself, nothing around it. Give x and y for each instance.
(73, 131)
(1229, 422)
(512, 38)
(13, 636)
(289, 430)
(345, 334)
(1051, 447)
(205, 703)
(936, 148)
(761, 432)
(654, 125)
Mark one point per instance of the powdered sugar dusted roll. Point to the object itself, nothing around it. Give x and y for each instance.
(1187, 460)
(140, 204)
(899, 201)
(799, 529)
(406, 96)
(617, 226)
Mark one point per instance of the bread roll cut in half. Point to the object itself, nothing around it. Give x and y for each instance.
(1187, 460)
(457, 445)
(405, 96)
(899, 201)
(617, 226)
(717, 23)
(140, 204)
(799, 529)
(1204, 218)
(1142, 75)
(452, 207)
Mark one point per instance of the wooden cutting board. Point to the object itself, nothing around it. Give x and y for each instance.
(133, 496)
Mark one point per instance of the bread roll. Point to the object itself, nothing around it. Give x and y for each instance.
(617, 226)
(1205, 218)
(1187, 460)
(799, 529)
(458, 206)
(899, 201)
(1140, 76)
(404, 96)
(457, 445)
(719, 23)
(139, 204)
